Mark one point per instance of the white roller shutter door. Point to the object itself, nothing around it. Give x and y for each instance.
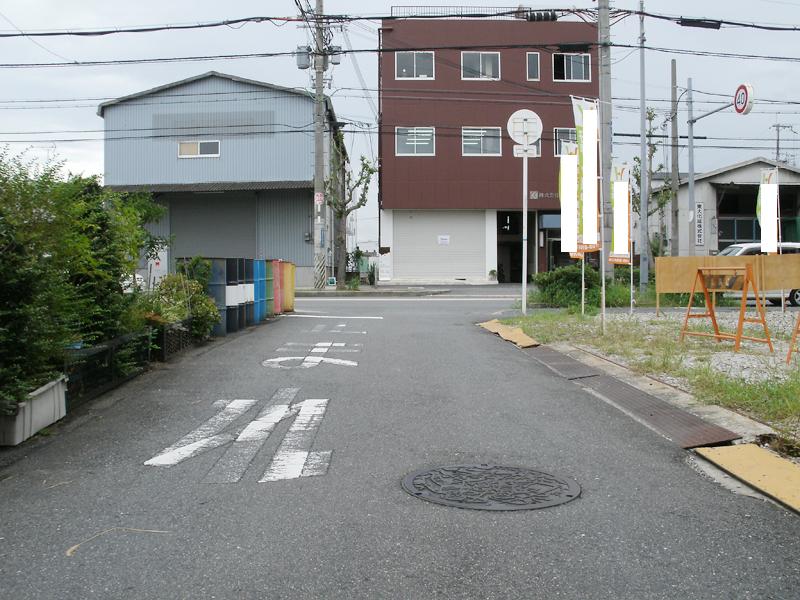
(443, 245)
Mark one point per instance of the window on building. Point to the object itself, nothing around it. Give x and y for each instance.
(480, 65)
(562, 135)
(198, 149)
(413, 65)
(571, 67)
(415, 141)
(533, 66)
(481, 141)
(737, 230)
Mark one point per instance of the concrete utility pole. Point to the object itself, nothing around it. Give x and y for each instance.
(674, 178)
(320, 257)
(777, 127)
(604, 32)
(690, 122)
(644, 234)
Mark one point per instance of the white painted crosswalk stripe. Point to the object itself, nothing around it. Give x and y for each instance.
(292, 455)
(204, 437)
(232, 465)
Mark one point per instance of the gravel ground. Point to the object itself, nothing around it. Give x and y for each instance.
(754, 362)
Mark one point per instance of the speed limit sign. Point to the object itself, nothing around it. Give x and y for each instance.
(743, 99)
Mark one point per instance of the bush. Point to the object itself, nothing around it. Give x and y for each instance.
(66, 245)
(177, 298)
(562, 287)
(196, 268)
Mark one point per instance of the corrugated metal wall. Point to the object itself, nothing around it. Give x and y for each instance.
(213, 225)
(284, 219)
(264, 135)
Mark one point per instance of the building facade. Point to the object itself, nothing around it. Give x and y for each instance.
(231, 159)
(450, 188)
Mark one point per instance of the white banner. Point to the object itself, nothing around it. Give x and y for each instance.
(589, 176)
(769, 217)
(568, 195)
(622, 215)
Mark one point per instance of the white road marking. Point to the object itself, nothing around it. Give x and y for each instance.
(328, 317)
(317, 328)
(204, 437)
(292, 455)
(341, 325)
(231, 466)
(350, 332)
(313, 359)
(317, 463)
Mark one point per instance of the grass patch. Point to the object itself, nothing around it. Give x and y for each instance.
(653, 348)
(769, 400)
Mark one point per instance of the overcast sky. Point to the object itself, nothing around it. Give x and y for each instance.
(68, 118)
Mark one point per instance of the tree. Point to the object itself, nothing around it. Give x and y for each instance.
(656, 202)
(345, 194)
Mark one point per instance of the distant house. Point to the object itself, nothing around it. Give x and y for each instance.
(232, 159)
(724, 210)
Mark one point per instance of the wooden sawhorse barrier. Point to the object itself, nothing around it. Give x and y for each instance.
(792, 344)
(727, 279)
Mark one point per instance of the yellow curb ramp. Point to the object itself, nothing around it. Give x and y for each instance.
(761, 469)
(510, 334)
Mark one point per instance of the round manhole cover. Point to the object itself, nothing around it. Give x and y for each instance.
(490, 487)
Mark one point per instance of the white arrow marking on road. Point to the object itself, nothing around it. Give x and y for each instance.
(204, 437)
(292, 456)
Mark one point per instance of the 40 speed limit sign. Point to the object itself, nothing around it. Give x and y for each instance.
(743, 99)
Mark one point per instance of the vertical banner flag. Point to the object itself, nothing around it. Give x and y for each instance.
(767, 210)
(568, 195)
(620, 200)
(586, 128)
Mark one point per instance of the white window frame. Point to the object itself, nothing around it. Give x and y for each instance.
(538, 66)
(415, 52)
(481, 78)
(482, 154)
(198, 155)
(553, 65)
(555, 138)
(433, 139)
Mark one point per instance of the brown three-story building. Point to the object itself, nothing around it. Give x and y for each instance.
(450, 187)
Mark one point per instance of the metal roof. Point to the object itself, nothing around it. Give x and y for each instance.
(215, 186)
(300, 92)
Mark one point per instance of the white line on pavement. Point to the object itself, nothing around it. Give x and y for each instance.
(329, 317)
(292, 455)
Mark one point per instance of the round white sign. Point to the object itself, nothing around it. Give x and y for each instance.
(524, 127)
(743, 99)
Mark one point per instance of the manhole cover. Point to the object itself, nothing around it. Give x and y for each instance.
(490, 487)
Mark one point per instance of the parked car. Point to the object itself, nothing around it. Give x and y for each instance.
(749, 249)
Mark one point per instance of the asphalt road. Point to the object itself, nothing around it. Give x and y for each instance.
(83, 516)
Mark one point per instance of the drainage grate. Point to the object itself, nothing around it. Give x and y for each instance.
(563, 365)
(490, 487)
(683, 428)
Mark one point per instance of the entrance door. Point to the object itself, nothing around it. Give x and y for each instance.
(556, 258)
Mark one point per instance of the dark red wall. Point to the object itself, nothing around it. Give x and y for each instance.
(447, 102)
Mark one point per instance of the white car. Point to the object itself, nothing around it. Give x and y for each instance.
(749, 249)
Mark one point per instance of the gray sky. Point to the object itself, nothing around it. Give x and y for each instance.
(771, 80)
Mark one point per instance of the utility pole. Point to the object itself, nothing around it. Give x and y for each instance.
(644, 234)
(320, 257)
(606, 136)
(675, 176)
(691, 120)
(777, 127)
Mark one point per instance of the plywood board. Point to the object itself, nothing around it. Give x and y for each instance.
(675, 274)
(767, 472)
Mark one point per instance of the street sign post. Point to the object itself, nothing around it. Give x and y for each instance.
(743, 99)
(524, 127)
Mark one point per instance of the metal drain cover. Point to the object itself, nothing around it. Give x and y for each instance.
(490, 487)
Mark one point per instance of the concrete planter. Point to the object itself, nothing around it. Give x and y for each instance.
(44, 407)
